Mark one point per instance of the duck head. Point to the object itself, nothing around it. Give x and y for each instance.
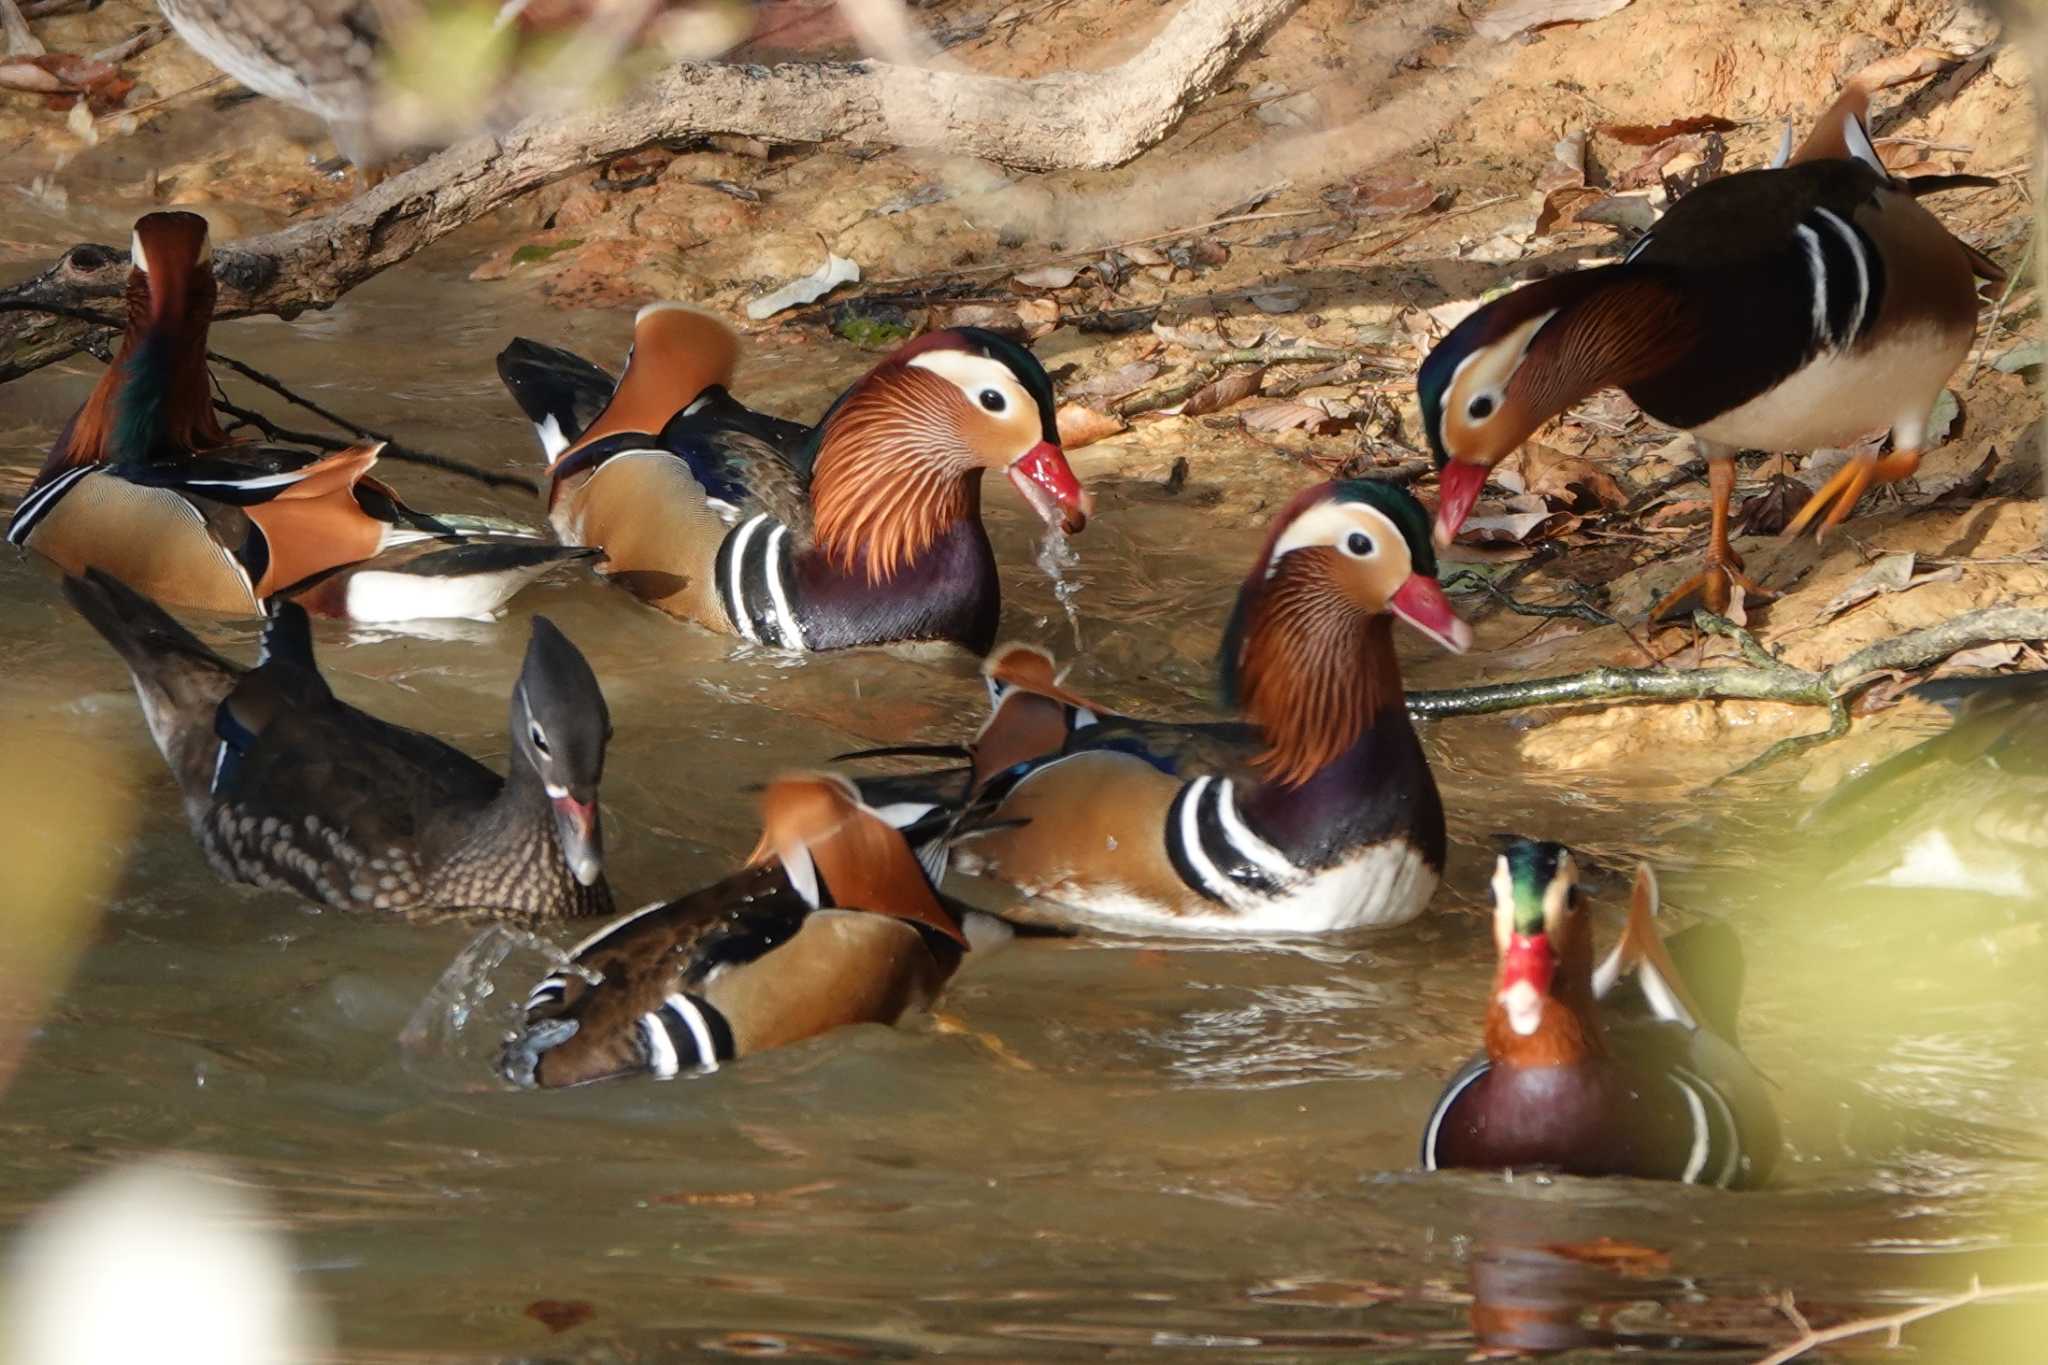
(1307, 654)
(559, 729)
(1537, 922)
(1527, 356)
(155, 399)
(900, 454)
(1480, 397)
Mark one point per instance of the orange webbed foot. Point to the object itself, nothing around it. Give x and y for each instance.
(1714, 587)
(1840, 494)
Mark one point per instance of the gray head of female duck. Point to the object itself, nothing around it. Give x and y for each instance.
(560, 727)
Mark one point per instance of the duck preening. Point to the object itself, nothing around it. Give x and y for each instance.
(863, 529)
(1316, 812)
(1628, 1069)
(143, 484)
(1786, 309)
(835, 920)
(287, 787)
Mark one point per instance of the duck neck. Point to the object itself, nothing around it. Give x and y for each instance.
(1616, 326)
(892, 475)
(1568, 1032)
(1315, 672)
(154, 401)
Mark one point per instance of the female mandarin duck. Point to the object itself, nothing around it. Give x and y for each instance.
(864, 529)
(834, 921)
(1631, 1069)
(1316, 813)
(143, 483)
(289, 788)
(1780, 309)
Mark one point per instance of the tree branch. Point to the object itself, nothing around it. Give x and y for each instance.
(1069, 120)
(1765, 678)
(1893, 1323)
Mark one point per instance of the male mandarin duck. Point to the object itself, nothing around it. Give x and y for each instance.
(864, 529)
(1787, 308)
(1965, 811)
(834, 921)
(143, 483)
(1628, 1069)
(289, 788)
(1315, 813)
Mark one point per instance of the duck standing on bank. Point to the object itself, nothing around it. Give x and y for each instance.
(287, 787)
(1783, 309)
(1630, 1069)
(143, 484)
(834, 921)
(1313, 814)
(863, 529)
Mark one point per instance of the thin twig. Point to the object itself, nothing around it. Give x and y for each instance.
(1166, 236)
(1809, 1337)
(159, 103)
(1399, 234)
(136, 43)
(393, 449)
(2012, 282)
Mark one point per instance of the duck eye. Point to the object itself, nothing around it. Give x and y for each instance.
(1358, 543)
(993, 400)
(1480, 408)
(540, 741)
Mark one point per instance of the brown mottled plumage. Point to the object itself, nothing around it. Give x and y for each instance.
(287, 787)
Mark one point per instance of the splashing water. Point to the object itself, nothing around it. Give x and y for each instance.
(440, 1030)
(1056, 554)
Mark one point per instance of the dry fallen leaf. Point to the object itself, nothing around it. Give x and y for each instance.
(1771, 511)
(1288, 415)
(1683, 512)
(559, 1315)
(1625, 1258)
(1233, 387)
(1039, 316)
(1983, 656)
(1503, 22)
(1560, 480)
(1646, 134)
(1650, 168)
(1046, 277)
(1515, 528)
(1383, 196)
(1562, 206)
(1118, 382)
(1193, 336)
(1891, 573)
(1080, 426)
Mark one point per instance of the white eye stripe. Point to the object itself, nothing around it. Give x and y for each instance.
(1332, 524)
(971, 374)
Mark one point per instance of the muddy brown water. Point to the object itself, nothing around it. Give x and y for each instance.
(1114, 1147)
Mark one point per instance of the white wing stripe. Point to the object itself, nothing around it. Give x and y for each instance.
(661, 1052)
(785, 619)
(685, 1009)
(1810, 239)
(1855, 245)
(735, 586)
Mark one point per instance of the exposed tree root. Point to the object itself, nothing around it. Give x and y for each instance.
(1065, 121)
